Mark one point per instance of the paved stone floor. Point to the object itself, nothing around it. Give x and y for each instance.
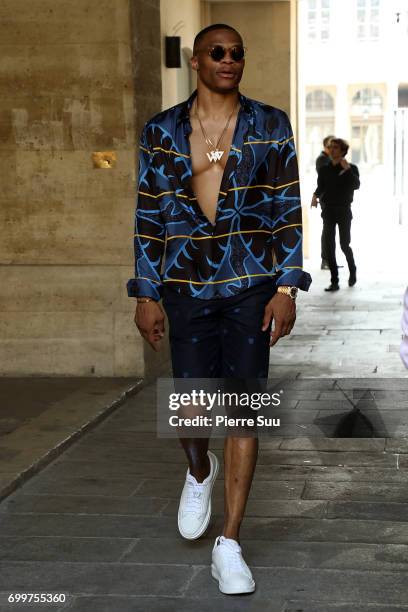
(39, 417)
(354, 332)
(326, 527)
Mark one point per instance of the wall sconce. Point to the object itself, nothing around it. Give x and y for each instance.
(173, 55)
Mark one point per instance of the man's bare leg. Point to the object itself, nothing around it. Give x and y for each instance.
(240, 457)
(197, 457)
(194, 512)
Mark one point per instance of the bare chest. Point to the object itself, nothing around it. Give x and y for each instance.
(208, 162)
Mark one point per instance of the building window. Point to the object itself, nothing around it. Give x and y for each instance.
(318, 20)
(366, 142)
(367, 127)
(319, 123)
(368, 20)
(367, 101)
(318, 101)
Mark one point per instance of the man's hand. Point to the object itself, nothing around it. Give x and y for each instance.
(282, 309)
(344, 164)
(314, 201)
(149, 319)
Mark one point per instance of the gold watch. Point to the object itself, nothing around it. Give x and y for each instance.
(144, 300)
(290, 291)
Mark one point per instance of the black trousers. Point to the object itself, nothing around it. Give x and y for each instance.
(322, 240)
(342, 217)
(323, 247)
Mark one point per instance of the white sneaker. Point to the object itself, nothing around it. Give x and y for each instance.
(229, 568)
(195, 503)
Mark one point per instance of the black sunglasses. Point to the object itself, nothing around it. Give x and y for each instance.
(218, 52)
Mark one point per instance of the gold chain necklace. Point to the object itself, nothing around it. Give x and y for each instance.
(215, 154)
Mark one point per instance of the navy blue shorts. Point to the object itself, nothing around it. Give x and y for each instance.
(219, 338)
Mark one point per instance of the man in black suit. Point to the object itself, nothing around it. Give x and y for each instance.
(336, 183)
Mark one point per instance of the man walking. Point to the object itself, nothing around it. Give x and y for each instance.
(322, 160)
(336, 184)
(218, 204)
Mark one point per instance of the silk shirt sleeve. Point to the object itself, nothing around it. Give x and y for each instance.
(287, 212)
(149, 237)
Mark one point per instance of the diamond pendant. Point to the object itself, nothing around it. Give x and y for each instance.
(215, 156)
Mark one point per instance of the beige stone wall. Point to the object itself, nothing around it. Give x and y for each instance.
(67, 89)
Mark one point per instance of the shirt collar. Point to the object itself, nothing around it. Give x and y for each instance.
(247, 108)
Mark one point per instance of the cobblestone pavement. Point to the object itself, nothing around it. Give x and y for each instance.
(326, 527)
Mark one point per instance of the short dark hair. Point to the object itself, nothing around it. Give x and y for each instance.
(210, 28)
(343, 144)
(328, 139)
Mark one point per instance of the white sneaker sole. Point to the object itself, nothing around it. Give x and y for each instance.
(230, 590)
(207, 518)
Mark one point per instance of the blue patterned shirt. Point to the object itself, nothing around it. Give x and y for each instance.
(257, 234)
